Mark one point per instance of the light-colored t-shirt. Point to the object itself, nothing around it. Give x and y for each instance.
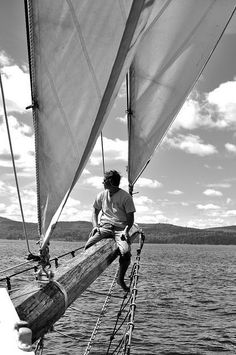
(115, 208)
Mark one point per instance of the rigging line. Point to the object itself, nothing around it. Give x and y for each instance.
(118, 347)
(102, 294)
(103, 311)
(35, 266)
(65, 335)
(122, 307)
(126, 339)
(129, 117)
(13, 162)
(16, 266)
(103, 157)
(31, 56)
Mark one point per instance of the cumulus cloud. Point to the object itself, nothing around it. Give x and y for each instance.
(145, 182)
(73, 212)
(122, 91)
(175, 192)
(216, 109)
(16, 85)
(122, 119)
(231, 148)
(5, 60)
(212, 192)
(222, 185)
(229, 201)
(142, 200)
(116, 149)
(191, 144)
(230, 213)
(94, 181)
(208, 206)
(22, 143)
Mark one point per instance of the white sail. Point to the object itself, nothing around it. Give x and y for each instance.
(80, 51)
(174, 50)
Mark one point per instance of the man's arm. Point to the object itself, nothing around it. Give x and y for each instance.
(95, 217)
(130, 220)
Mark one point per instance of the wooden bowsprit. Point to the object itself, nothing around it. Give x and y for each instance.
(41, 307)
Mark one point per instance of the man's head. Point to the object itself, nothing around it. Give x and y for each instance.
(111, 179)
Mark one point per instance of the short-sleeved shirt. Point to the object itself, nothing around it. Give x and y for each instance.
(114, 208)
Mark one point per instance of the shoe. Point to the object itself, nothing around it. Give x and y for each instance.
(123, 286)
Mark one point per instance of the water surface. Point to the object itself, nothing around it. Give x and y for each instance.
(186, 302)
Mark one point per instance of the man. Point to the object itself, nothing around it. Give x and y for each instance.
(117, 217)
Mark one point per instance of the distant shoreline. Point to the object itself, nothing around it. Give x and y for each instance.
(159, 233)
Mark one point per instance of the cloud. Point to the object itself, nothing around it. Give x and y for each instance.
(16, 86)
(12, 209)
(230, 213)
(231, 148)
(212, 192)
(188, 117)
(145, 182)
(229, 201)
(209, 206)
(116, 149)
(175, 192)
(191, 144)
(220, 185)
(5, 60)
(216, 109)
(122, 119)
(94, 181)
(74, 212)
(142, 200)
(122, 91)
(22, 144)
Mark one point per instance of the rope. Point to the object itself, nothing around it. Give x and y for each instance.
(127, 335)
(15, 266)
(35, 267)
(99, 320)
(103, 157)
(102, 294)
(34, 106)
(13, 163)
(65, 335)
(40, 346)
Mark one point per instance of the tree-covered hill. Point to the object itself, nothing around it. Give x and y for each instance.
(155, 233)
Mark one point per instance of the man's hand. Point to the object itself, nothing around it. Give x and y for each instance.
(95, 230)
(125, 234)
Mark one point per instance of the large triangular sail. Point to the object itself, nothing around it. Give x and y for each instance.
(176, 46)
(79, 54)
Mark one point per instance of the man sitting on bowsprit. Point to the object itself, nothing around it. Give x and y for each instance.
(117, 217)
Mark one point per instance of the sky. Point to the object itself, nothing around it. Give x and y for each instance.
(191, 179)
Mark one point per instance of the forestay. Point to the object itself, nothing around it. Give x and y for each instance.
(80, 51)
(177, 44)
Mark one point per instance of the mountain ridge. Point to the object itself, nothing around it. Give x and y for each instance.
(161, 233)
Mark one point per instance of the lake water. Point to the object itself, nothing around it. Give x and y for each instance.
(186, 302)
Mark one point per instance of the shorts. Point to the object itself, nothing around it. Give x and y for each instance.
(107, 230)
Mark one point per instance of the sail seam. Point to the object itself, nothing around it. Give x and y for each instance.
(60, 106)
(84, 48)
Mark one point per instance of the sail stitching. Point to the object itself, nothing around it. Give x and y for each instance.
(85, 52)
(60, 106)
